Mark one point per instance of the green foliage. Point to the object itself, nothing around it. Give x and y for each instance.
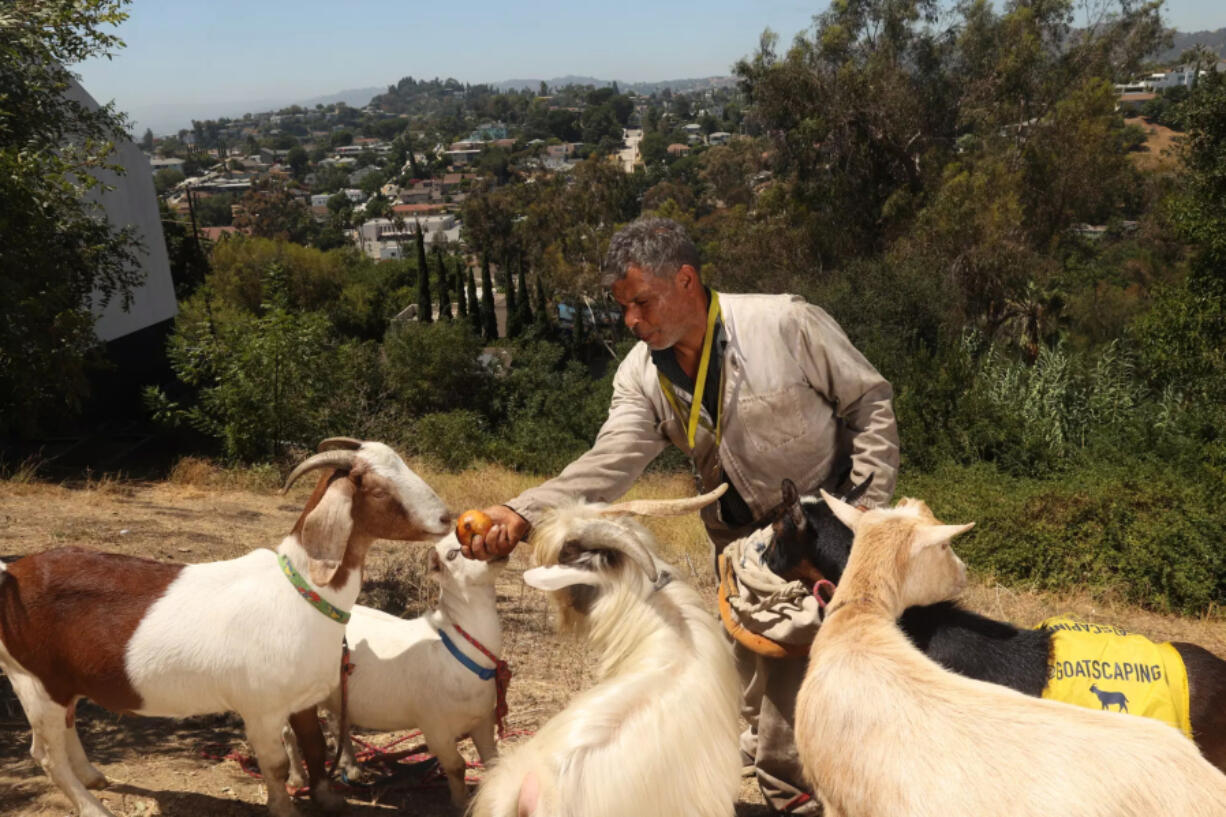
(548, 409)
(58, 251)
(262, 381)
(1147, 531)
(489, 319)
(166, 178)
(425, 308)
(433, 368)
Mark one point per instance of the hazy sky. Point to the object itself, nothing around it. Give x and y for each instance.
(225, 50)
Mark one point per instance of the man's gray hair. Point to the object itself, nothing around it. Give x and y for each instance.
(656, 245)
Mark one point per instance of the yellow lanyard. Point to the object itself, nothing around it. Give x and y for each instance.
(700, 383)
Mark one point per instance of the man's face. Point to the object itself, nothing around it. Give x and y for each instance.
(652, 307)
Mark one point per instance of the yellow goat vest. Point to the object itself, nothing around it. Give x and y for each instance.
(1103, 667)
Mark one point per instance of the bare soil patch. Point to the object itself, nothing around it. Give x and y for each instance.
(1159, 150)
(166, 767)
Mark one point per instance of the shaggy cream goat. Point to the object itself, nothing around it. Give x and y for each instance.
(155, 638)
(657, 734)
(883, 730)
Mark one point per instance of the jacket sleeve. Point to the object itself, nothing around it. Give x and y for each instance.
(629, 440)
(862, 398)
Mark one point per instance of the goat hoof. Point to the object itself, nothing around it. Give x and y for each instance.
(95, 779)
(327, 799)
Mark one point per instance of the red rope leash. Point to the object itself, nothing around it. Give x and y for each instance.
(821, 584)
(502, 679)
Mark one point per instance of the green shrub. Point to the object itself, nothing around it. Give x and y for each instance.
(435, 367)
(1147, 531)
(548, 410)
(453, 440)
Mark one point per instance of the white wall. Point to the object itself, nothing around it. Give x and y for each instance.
(133, 202)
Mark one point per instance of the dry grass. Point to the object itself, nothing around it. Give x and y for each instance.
(1160, 143)
(208, 513)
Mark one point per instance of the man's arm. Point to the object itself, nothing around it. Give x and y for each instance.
(627, 443)
(861, 396)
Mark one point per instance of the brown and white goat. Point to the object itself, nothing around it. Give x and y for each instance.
(156, 638)
(882, 729)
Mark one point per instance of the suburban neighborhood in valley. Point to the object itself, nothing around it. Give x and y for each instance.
(371, 177)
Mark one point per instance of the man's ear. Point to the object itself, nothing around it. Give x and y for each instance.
(687, 277)
(326, 530)
(558, 577)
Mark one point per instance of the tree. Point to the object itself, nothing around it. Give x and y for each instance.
(298, 161)
(523, 310)
(59, 253)
(474, 309)
(512, 313)
(146, 141)
(424, 307)
(489, 318)
(444, 285)
(461, 286)
(542, 306)
(270, 210)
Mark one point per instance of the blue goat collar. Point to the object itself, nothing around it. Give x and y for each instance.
(478, 670)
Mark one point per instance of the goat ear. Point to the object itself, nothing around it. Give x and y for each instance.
(558, 577)
(790, 496)
(326, 530)
(857, 491)
(848, 515)
(928, 535)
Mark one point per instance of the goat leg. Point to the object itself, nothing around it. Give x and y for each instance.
(264, 735)
(314, 748)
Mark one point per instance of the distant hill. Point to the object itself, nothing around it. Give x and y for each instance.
(167, 118)
(676, 85)
(1215, 41)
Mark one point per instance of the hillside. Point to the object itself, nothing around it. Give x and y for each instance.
(1214, 40)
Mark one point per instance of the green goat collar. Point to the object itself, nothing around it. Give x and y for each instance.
(309, 594)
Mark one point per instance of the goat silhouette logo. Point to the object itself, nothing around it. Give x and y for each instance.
(1109, 699)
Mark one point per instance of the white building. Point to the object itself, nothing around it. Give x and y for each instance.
(132, 203)
(381, 238)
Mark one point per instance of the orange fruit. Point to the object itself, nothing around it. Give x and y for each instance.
(472, 523)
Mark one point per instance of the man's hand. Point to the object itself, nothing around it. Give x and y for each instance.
(509, 527)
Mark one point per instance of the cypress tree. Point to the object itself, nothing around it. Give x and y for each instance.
(578, 335)
(474, 311)
(522, 301)
(512, 312)
(461, 282)
(489, 319)
(542, 306)
(444, 286)
(424, 306)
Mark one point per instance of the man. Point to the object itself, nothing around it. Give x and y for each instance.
(780, 392)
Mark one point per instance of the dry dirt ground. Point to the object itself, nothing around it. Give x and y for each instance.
(165, 767)
(1159, 150)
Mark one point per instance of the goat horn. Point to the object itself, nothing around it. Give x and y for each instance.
(664, 507)
(328, 459)
(339, 443)
(612, 536)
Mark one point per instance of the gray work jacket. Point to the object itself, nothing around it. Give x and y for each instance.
(798, 400)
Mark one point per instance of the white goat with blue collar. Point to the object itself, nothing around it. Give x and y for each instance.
(657, 734)
(423, 673)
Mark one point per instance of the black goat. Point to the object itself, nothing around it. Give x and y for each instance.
(809, 543)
